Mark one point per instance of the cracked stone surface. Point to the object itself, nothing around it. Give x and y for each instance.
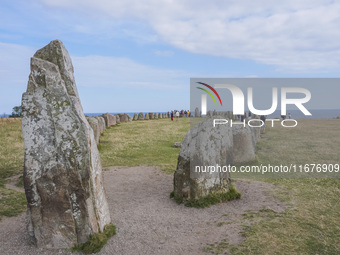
(62, 173)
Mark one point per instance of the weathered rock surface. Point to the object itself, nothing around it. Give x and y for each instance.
(155, 115)
(101, 124)
(117, 118)
(110, 119)
(147, 116)
(256, 131)
(151, 115)
(135, 116)
(129, 118)
(244, 146)
(140, 116)
(123, 117)
(203, 146)
(62, 172)
(160, 115)
(197, 112)
(94, 123)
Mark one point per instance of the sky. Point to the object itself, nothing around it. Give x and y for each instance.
(132, 56)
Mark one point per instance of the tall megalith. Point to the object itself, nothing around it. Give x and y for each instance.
(62, 173)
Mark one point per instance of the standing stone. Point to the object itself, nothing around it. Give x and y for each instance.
(62, 173)
(140, 116)
(160, 115)
(101, 123)
(123, 117)
(135, 117)
(117, 119)
(155, 115)
(147, 116)
(110, 119)
(256, 131)
(203, 146)
(151, 115)
(94, 123)
(244, 145)
(197, 112)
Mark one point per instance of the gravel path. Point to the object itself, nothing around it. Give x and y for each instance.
(148, 222)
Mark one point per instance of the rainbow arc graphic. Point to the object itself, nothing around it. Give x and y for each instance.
(209, 93)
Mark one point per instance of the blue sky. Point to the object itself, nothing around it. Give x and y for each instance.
(140, 55)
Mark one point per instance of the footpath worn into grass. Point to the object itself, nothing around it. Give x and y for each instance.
(310, 226)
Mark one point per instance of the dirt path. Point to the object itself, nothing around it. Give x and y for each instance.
(148, 222)
(12, 181)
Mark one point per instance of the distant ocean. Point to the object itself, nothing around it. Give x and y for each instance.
(296, 114)
(130, 113)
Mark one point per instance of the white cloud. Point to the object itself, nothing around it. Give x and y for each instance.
(102, 71)
(96, 75)
(14, 64)
(164, 53)
(292, 35)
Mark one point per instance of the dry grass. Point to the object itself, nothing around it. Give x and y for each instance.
(312, 226)
(11, 148)
(12, 202)
(312, 141)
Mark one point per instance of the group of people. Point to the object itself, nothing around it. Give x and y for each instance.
(181, 113)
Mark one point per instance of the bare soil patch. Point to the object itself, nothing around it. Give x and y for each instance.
(149, 222)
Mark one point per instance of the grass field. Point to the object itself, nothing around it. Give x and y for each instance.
(12, 202)
(310, 226)
(147, 142)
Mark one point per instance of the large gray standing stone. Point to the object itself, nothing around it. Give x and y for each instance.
(117, 118)
(155, 115)
(101, 124)
(203, 146)
(160, 115)
(110, 119)
(62, 173)
(140, 116)
(151, 116)
(129, 118)
(123, 117)
(197, 112)
(135, 116)
(256, 131)
(147, 116)
(244, 146)
(94, 123)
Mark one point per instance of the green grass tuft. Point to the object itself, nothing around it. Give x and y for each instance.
(214, 198)
(96, 241)
(12, 202)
